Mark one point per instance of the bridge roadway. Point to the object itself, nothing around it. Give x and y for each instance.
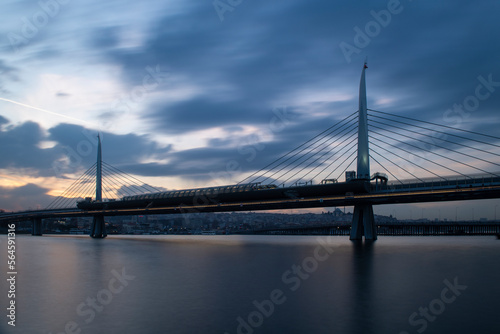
(380, 194)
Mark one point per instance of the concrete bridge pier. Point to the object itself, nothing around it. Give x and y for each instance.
(98, 229)
(37, 226)
(363, 223)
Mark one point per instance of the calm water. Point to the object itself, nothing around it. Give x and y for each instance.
(254, 284)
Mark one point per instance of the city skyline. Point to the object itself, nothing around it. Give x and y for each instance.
(189, 94)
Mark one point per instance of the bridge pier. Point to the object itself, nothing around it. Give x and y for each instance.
(37, 226)
(363, 223)
(98, 229)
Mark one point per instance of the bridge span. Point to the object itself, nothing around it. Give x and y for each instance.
(473, 188)
(270, 189)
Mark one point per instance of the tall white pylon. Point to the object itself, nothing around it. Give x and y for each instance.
(363, 152)
(363, 221)
(98, 178)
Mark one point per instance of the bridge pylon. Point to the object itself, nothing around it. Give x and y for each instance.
(363, 221)
(37, 226)
(98, 229)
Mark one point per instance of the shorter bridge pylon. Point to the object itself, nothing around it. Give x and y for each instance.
(98, 229)
(37, 226)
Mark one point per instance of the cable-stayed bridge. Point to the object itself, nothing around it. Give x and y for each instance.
(415, 161)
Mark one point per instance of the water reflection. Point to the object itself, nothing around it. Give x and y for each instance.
(362, 294)
(186, 285)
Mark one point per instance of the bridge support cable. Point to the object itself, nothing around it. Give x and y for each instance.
(439, 146)
(443, 126)
(418, 156)
(73, 191)
(386, 169)
(441, 136)
(456, 150)
(108, 193)
(254, 177)
(433, 137)
(321, 160)
(432, 152)
(115, 183)
(119, 184)
(111, 182)
(351, 149)
(403, 169)
(352, 138)
(131, 180)
(347, 167)
(290, 169)
(122, 186)
(312, 150)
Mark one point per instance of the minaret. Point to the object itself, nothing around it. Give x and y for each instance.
(363, 153)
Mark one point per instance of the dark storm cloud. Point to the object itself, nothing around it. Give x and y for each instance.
(427, 56)
(16, 198)
(199, 114)
(20, 148)
(6, 69)
(3, 120)
(75, 148)
(223, 160)
(7, 73)
(262, 62)
(118, 148)
(106, 37)
(62, 94)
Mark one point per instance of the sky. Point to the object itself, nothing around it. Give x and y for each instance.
(191, 94)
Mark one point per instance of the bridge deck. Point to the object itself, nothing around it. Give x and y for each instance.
(388, 195)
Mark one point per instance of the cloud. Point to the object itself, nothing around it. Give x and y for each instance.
(20, 149)
(225, 79)
(118, 148)
(74, 148)
(62, 94)
(421, 59)
(7, 73)
(3, 120)
(21, 198)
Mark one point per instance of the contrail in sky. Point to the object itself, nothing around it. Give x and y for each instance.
(44, 110)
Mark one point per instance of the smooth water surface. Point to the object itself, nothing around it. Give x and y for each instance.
(254, 284)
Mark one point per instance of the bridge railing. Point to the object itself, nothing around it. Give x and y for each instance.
(456, 181)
